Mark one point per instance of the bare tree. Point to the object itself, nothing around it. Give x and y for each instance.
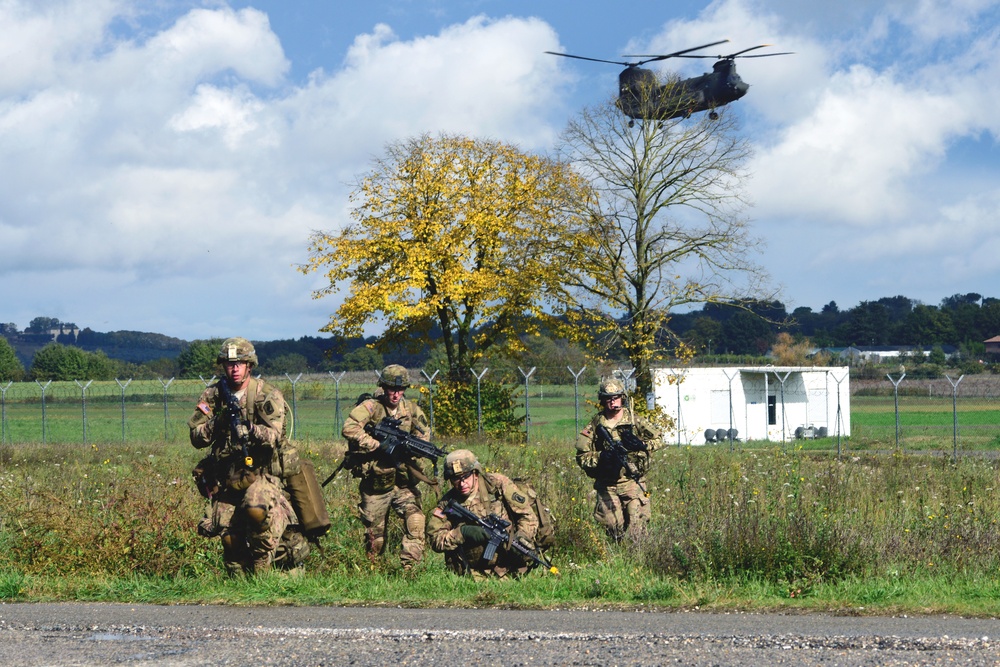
(668, 217)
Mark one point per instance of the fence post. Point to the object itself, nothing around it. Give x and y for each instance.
(208, 381)
(336, 409)
(44, 420)
(784, 420)
(954, 415)
(732, 414)
(165, 385)
(3, 412)
(122, 387)
(840, 412)
(295, 412)
(479, 398)
(576, 395)
(895, 393)
(430, 399)
(527, 410)
(626, 377)
(83, 402)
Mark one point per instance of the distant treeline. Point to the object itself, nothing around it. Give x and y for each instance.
(964, 321)
(961, 321)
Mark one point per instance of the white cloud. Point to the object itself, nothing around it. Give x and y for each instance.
(931, 20)
(42, 37)
(853, 156)
(154, 162)
(188, 153)
(229, 111)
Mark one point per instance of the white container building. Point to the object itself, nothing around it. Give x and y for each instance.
(777, 403)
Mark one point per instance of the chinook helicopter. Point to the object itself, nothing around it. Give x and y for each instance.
(642, 97)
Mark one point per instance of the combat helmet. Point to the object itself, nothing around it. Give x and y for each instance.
(610, 388)
(237, 349)
(460, 463)
(394, 376)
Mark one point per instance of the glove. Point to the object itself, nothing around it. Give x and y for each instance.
(474, 535)
(640, 461)
(388, 445)
(517, 558)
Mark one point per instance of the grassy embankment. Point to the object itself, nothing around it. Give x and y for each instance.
(768, 527)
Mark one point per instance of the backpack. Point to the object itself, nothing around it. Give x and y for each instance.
(545, 538)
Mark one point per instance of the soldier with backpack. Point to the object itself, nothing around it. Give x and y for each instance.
(614, 450)
(241, 418)
(388, 484)
(497, 501)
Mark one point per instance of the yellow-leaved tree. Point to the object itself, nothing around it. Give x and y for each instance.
(466, 235)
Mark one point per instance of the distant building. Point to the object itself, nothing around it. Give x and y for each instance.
(992, 345)
(880, 353)
(777, 403)
(65, 333)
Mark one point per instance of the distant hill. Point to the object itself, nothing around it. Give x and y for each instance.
(140, 347)
(132, 346)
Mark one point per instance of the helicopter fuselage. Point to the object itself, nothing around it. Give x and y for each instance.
(642, 97)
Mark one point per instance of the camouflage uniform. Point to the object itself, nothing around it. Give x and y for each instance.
(497, 494)
(248, 511)
(384, 485)
(622, 507)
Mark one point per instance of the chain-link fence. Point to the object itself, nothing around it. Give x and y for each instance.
(90, 412)
(954, 413)
(951, 414)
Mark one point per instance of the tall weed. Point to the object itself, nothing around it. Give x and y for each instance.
(793, 521)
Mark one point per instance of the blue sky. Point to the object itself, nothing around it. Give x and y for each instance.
(164, 161)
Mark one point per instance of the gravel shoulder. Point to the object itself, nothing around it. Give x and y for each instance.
(108, 634)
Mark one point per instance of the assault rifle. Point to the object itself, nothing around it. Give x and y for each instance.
(397, 443)
(496, 531)
(619, 450)
(235, 416)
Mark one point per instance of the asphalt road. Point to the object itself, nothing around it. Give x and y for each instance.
(113, 634)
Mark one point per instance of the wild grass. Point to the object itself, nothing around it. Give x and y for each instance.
(775, 528)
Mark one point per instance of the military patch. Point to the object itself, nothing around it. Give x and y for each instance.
(518, 498)
(204, 408)
(268, 408)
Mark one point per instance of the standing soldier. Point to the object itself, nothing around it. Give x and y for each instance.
(387, 484)
(242, 419)
(482, 494)
(622, 501)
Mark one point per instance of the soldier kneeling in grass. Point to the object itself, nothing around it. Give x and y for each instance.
(486, 496)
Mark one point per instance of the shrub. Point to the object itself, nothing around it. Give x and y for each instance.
(456, 408)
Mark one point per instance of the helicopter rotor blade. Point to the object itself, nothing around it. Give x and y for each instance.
(684, 53)
(752, 48)
(767, 55)
(739, 54)
(675, 54)
(596, 60)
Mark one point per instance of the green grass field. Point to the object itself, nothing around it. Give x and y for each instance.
(757, 529)
(925, 423)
